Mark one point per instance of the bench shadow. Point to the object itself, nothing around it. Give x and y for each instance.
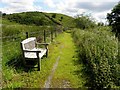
(17, 63)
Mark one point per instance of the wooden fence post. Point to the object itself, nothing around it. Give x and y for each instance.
(26, 34)
(44, 36)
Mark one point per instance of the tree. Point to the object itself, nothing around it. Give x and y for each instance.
(100, 24)
(4, 14)
(84, 21)
(114, 19)
(61, 19)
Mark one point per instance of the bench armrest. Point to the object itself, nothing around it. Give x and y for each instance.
(42, 43)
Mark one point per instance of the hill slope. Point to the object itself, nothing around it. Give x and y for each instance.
(40, 18)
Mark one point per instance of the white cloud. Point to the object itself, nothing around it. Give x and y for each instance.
(14, 6)
(101, 17)
(98, 8)
(50, 3)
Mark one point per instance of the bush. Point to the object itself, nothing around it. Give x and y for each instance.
(54, 15)
(99, 52)
(84, 21)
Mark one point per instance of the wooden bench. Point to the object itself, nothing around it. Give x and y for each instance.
(31, 51)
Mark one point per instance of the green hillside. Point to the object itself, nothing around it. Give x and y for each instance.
(66, 20)
(39, 19)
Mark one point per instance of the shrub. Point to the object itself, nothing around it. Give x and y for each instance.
(99, 52)
(54, 15)
(84, 21)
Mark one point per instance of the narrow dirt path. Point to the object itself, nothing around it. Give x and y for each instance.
(66, 72)
(48, 81)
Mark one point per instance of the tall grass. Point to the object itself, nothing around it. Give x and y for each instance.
(10, 30)
(98, 50)
(12, 35)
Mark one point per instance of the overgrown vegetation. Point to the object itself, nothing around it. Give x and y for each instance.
(84, 21)
(98, 50)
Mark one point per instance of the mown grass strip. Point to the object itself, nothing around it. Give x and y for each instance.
(68, 73)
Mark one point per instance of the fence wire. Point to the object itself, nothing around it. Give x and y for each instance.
(11, 48)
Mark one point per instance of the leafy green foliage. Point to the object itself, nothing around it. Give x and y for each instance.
(84, 21)
(114, 18)
(98, 50)
(100, 24)
(28, 18)
(4, 14)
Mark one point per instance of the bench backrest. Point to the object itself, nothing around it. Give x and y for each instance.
(29, 43)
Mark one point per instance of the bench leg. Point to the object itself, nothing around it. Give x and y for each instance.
(24, 62)
(39, 62)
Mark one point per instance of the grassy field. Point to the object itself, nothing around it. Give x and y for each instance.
(67, 70)
(15, 75)
(12, 68)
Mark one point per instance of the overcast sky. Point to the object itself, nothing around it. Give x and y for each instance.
(97, 8)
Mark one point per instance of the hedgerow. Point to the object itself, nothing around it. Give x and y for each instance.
(98, 50)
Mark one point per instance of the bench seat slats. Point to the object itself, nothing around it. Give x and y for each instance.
(33, 54)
